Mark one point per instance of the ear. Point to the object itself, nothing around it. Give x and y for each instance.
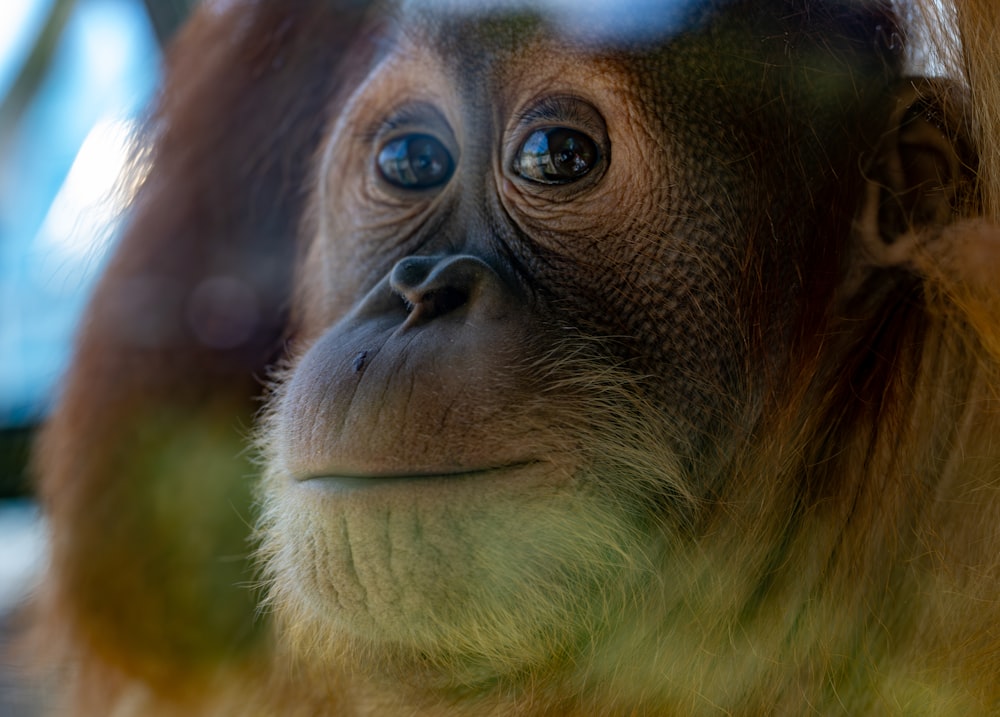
(922, 174)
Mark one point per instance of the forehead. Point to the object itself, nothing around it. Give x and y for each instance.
(485, 28)
(488, 48)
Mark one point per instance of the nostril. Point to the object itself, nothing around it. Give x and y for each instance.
(444, 300)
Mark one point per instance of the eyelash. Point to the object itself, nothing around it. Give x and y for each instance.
(412, 117)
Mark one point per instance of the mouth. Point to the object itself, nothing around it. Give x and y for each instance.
(344, 481)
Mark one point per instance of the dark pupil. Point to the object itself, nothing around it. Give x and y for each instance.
(416, 161)
(571, 153)
(557, 156)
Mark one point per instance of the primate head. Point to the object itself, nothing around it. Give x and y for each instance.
(551, 276)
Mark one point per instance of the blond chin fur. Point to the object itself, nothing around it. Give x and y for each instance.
(488, 591)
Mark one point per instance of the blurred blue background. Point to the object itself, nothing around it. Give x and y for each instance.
(76, 77)
(65, 129)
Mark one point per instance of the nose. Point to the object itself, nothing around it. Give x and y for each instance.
(436, 286)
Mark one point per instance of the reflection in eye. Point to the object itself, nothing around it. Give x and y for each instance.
(557, 155)
(415, 161)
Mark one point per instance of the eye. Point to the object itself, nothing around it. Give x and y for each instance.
(556, 155)
(415, 161)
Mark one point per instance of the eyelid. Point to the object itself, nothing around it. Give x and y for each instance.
(552, 111)
(413, 117)
(561, 111)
